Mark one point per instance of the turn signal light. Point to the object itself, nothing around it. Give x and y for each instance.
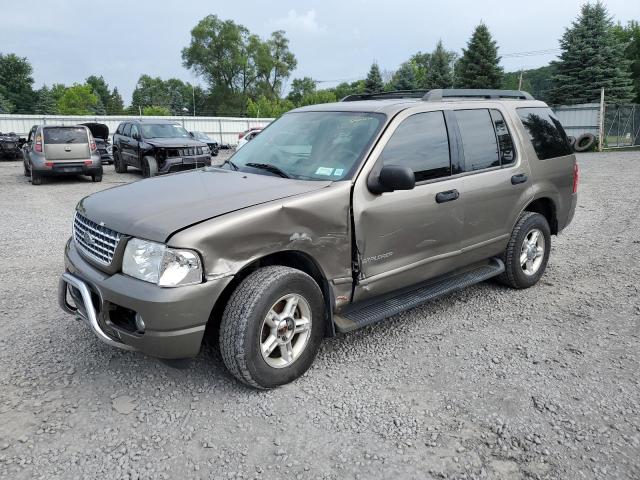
(576, 177)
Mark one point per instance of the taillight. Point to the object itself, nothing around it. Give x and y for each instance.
(94, 147)
(240, 135)
(576, 177)
(39, 147)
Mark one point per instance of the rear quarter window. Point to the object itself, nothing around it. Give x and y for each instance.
(545, 132)
(65, 135)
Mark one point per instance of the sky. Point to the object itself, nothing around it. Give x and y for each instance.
(333, 40)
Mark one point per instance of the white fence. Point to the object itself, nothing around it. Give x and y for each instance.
(222, 129)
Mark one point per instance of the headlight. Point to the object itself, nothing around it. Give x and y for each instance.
(206, 150)
(156, 263)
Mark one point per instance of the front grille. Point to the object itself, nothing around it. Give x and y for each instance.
(185, 152)
(96, 241)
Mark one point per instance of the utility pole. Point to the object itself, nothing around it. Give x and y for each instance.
(140, 110)
(193, 91)
(520, 81)
(601, 122)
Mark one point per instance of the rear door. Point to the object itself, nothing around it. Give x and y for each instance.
(66, 144)
(404, 237)
(497, 181)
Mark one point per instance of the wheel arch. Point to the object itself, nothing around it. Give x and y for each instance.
(288, 258)
(546, 207)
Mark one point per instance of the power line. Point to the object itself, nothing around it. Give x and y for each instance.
(531, 53)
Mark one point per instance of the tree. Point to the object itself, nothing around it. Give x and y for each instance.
(46, 103)
(99, 87)
(301, 87)
(156, 111)
(77, 100)
(57, 90)
(320, 96)
(479, 65)
(630, 36)
(5, 105)
(592, 58)
(536, 81)
(115, 105)
(373, 83)
(343, 89)
(420, 62)
(268, 107)
(439, 72)
(16, 83)
(278, 63)
(404, 78)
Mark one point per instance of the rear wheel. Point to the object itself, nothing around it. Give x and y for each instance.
(149, 167)
(36, 179)
(272, 327)
(527, 253)
(118, 163)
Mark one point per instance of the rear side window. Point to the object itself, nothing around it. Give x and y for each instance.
(126, 131)
(545, 132)
(505, 142)
(421, 143)
(478, 139)
(57, 135)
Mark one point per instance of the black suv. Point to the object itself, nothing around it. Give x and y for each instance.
(157, 146)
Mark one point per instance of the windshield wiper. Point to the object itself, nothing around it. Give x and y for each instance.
(229, 162)
(269, 168)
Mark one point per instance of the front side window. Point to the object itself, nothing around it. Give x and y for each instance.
(478, 139)
(127, 130)
(134, 131)
(505, 142)
(421, 143)
(545, 132)
(311, 145)
(164, 130)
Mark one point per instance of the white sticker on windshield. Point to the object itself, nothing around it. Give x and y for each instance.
(338, 172)
(324, 171)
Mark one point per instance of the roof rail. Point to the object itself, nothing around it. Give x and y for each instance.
(441, 94)
(386, 95)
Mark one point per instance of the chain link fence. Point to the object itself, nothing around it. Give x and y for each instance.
(621, 126)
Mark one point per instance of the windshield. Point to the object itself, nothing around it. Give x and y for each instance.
(201, 136)
(311, 145)
(65, 135)
(164, 130)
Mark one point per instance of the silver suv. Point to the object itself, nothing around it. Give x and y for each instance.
(53, 150)
(335, 217)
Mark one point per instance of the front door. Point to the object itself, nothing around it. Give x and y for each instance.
(404, 237)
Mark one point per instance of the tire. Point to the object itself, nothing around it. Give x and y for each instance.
(149, 167)
(585, 142)
(517, 274)
(118, 164)
(27, 173)
(215, 152)
(572, 141)
(244, 327)
(35, 178)
(96, 178)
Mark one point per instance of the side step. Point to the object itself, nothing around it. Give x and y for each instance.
(377, 309)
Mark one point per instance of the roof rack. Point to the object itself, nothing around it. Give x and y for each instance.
(441, 94)
(386, 95)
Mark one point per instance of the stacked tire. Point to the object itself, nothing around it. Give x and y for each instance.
(584, 143)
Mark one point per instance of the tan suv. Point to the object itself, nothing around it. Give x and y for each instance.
(335, 217)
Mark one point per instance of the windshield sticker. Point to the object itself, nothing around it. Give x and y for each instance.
(338, 172)
(324, 171)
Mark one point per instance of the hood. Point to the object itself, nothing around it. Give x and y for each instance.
(174, 142)
(98, 130)
(155, 208)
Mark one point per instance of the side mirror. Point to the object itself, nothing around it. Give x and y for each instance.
(136, 136)
(391, 178)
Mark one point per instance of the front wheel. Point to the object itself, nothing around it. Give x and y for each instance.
(272, 327)
(527, 253)
(149, 167)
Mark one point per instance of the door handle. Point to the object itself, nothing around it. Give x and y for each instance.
(519, 178)
(448, 196)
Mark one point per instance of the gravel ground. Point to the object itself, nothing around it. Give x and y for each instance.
(486, 383)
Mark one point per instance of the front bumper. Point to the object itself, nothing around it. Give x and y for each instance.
(174, 164)
(174, 318)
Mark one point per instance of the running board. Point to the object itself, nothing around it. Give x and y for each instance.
(370, 312)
